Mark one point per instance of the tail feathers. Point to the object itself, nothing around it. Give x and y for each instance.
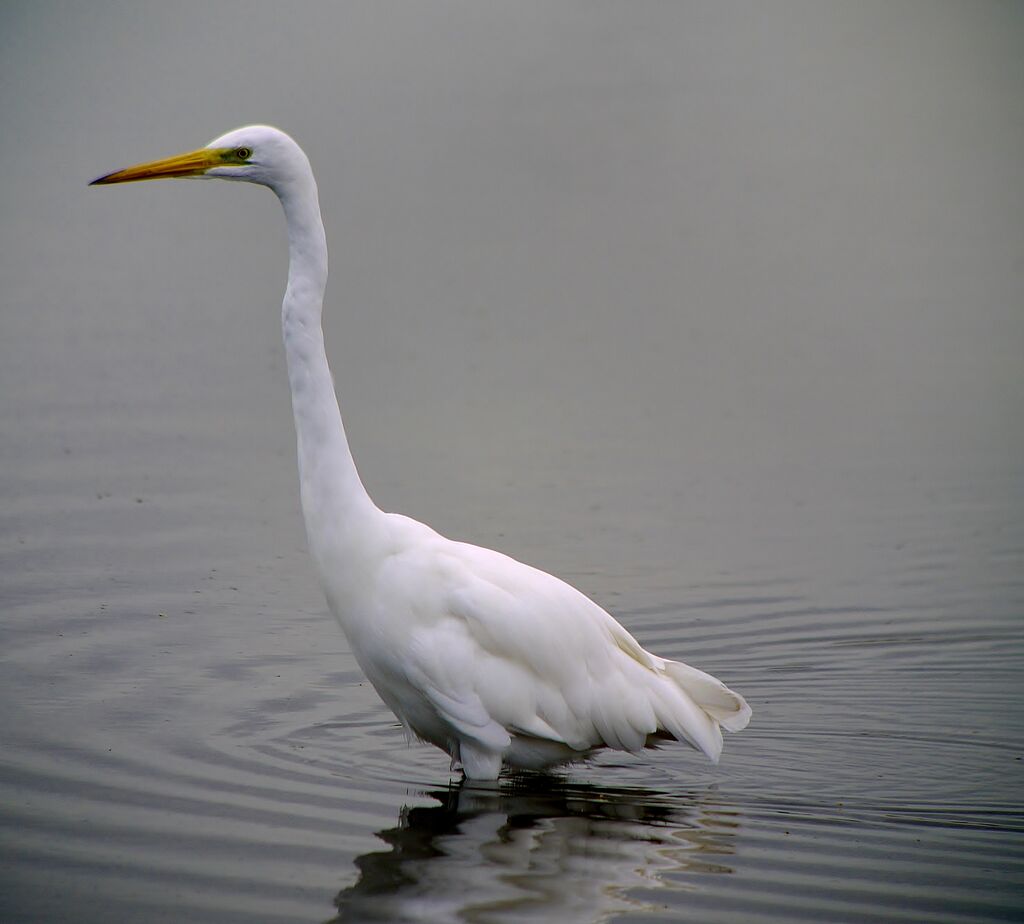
(692, 707)
(686, 721)
(728, 709)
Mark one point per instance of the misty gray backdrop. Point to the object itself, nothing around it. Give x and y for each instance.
(569, 242)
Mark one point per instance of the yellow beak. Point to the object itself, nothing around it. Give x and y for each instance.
(194, 163)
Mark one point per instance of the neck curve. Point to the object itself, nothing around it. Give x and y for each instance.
(335, 504)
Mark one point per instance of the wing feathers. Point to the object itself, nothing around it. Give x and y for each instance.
(521, 655)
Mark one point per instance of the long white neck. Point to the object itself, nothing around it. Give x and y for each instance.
(336, 507)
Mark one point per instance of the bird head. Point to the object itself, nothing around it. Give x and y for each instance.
(254, 154)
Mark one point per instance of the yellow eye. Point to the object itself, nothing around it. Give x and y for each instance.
(243, 153)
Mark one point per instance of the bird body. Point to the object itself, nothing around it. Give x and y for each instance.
(493, 661)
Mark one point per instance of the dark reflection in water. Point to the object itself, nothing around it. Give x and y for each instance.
(537, 845)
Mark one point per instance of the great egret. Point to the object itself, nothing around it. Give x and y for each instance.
(492, 661)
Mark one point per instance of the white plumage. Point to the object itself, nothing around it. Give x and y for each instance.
(491, 660)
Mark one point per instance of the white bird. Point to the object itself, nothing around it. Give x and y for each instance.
(492, 661)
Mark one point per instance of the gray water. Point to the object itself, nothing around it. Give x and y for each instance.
(714, 310)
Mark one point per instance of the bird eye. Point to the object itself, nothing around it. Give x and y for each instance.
(243, 153)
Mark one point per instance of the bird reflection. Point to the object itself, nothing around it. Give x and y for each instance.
(538, 846)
